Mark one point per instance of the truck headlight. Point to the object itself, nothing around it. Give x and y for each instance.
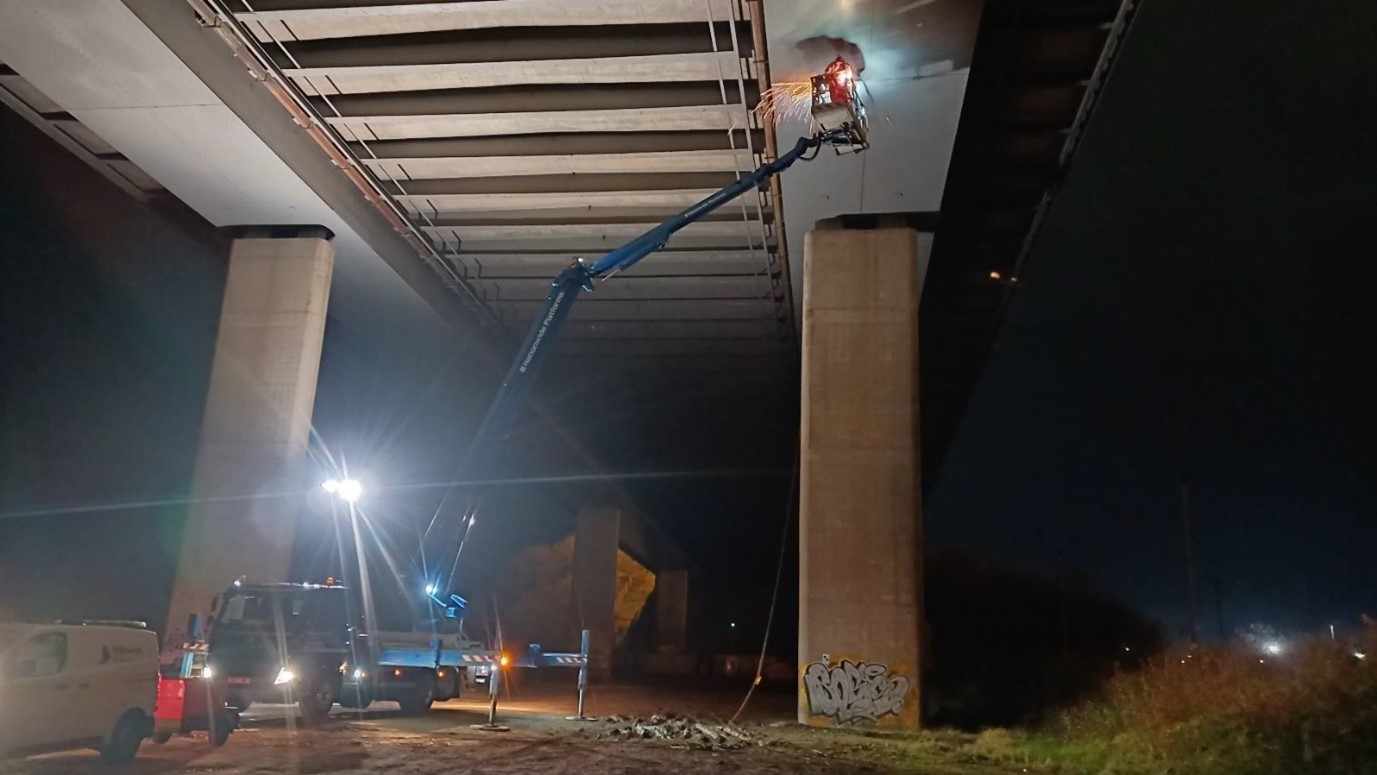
(284, 676)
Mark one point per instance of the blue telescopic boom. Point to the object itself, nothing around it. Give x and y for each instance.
(579, 277)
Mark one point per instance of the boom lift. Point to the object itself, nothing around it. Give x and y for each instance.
(839, 114)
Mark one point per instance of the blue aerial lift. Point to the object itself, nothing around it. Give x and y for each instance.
(839, 114)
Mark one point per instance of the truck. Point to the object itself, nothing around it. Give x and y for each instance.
(298, 643)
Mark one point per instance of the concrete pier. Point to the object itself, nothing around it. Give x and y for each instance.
(257, 419)
(860, 586)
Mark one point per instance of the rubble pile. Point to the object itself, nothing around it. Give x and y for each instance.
(687, 732)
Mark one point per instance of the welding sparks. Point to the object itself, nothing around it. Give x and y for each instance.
(784, 101)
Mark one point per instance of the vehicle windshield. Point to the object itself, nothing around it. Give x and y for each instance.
(262, 607)
(298, 609)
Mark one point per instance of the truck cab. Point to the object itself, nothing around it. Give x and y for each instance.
(65, 686)
(298, 644)
(281, 643)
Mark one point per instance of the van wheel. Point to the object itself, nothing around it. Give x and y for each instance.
(316, 703)
(420, 698)
(239, 702)
(124, 742)
(161, 738)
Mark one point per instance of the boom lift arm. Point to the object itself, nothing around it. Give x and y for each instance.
(837, 111)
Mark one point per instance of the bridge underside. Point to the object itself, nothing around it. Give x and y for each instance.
(519, 134)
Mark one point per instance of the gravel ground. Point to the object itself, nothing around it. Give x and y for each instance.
(540, 740)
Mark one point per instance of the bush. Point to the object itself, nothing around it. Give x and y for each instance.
(1312, 709)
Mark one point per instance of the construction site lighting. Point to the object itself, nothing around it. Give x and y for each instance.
(348, 489)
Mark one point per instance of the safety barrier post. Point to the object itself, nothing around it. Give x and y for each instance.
(583, 669)
(494, 686)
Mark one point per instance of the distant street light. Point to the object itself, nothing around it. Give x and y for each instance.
(348, 489)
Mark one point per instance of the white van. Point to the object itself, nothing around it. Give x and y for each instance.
(77, 686)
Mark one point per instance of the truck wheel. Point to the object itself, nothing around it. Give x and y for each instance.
(238, 702)
(220, 727)
(447, 688)
(161, 738)
(420, 698)
(355, 697)
(316, 702)
(124, 742)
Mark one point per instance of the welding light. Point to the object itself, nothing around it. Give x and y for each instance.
(504, 661)
(207, 673)
(431, 589)
(284, 676)
(348, 489)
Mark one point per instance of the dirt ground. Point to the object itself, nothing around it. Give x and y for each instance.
(540, 740)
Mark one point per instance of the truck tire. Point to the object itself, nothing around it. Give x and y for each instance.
(239, 702)
(221, 725)
(125, 740)
(316, 702)
(447, 687)
(355, 697)
(420, 698)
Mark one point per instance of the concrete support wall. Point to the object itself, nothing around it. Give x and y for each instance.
(257, 418)
(671, 609)
(860, 586)
(595, 583)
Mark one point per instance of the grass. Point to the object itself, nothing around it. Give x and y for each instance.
(1213, 711)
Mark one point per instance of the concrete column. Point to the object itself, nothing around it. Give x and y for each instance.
(257, 417)
(860, 564)
(595, 583)
(671, 609)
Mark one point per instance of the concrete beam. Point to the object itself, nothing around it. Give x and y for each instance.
(545, 200)
(636, 69)
(544, 266)
(673, 119)
(543, 144)
(578, 216)
(552, 97)
(657, 288)
(764, 348)
(685, 183)
(563, 164)
(508, 44)
(317, 19)
(638, 310)
(568, 247)
(663, 330)
(725, 230)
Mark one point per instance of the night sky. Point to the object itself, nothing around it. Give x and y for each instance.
(1199, 304)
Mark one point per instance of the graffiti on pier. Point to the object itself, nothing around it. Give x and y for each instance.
(854, 692)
